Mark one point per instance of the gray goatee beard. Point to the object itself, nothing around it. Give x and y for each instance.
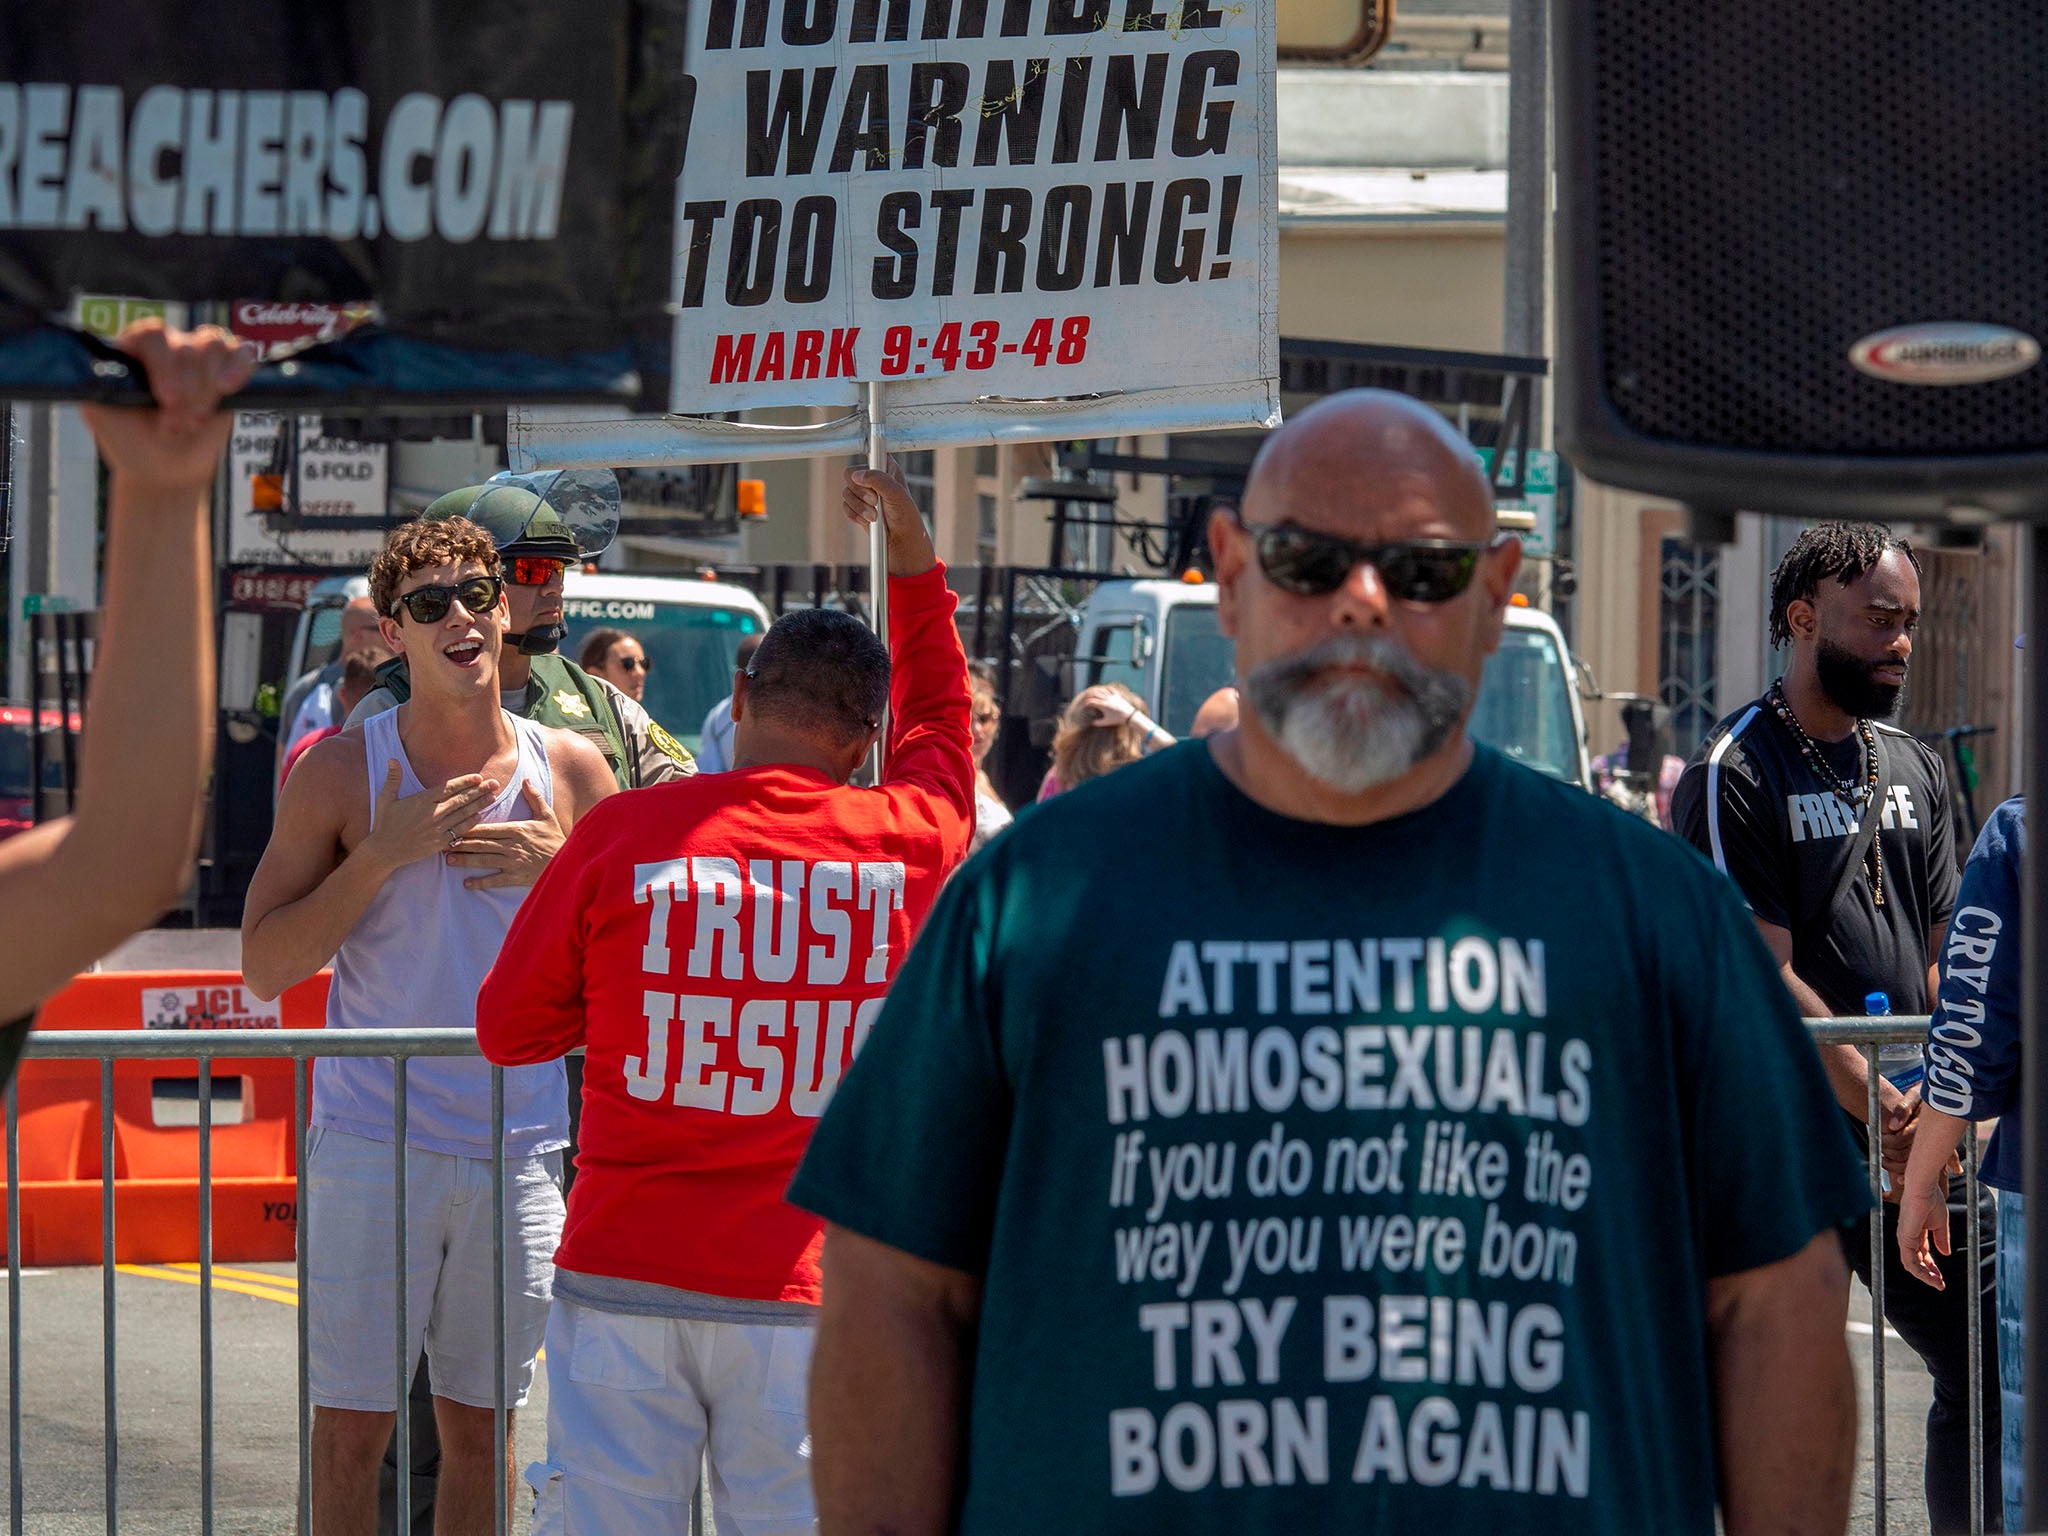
(1351, 732)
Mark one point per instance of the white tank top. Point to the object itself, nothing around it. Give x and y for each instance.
(414, 960)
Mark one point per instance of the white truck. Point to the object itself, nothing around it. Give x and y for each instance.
(688, 627)
(1161, 640)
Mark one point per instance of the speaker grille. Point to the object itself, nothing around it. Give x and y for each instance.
(1780, 178)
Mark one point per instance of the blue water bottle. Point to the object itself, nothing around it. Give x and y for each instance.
(1901, 1064)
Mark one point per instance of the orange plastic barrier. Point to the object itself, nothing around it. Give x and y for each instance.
(156, 1167)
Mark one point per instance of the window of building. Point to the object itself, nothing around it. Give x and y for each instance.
(985, 541)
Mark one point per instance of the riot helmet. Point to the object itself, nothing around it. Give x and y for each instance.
(556, 514)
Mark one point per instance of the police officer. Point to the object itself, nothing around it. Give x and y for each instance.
(539, 538)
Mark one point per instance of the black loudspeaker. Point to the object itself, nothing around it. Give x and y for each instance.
(1803, 253)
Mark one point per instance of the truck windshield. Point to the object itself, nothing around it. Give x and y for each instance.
(17, 760)
(1200, 658)
(1525, 707)
(323, 635)
(689, 647)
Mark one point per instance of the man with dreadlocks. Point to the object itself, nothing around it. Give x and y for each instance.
(1836, 827)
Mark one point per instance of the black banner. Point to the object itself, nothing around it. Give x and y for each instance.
(498, 180)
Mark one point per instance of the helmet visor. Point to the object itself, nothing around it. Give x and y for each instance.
(585, 502)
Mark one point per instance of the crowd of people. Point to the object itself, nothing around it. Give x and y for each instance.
(1246, 1137)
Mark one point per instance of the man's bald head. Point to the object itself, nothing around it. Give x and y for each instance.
(1357, 679)
(1385, 457)
(359, 632)
(1218, 712)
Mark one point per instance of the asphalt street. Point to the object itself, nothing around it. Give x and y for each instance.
(255, 1396)
(255, 1405)
(1907, 1394)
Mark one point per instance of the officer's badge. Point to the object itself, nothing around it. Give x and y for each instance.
(571, 703)
(668, 744)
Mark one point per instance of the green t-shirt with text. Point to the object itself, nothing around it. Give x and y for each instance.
(1331, 1178)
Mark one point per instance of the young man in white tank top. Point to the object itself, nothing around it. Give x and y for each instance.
(364, 868)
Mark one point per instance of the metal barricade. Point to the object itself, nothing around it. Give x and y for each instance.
(300, 1047)
(1870, 1035)
(401, 1047)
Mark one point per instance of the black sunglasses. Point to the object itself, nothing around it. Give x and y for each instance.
(429, 605)
(1312, 564)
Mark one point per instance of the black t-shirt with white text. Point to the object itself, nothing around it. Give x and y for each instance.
(1752, 803)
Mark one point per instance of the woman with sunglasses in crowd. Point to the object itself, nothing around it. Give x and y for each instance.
(619, 659)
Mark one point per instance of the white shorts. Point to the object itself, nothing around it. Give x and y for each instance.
(350, 1240)
(629, 1399)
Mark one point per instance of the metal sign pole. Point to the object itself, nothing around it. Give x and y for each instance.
(2034, 1031)
(878, 553)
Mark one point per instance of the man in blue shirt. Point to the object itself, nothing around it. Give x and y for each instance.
(1973, 1073)
(714, 751)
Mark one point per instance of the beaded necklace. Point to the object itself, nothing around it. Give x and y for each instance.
(1858, 797)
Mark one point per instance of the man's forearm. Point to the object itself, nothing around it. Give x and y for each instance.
(295, 940)
(153, 680)
(1784, 1395)
(888, 1397)
(929, 705)
(886, 1417)
(518, 1024)
(122, 857)
(908, 547)
(1934, 1143)
(1849, 1075)
(1847, 1068)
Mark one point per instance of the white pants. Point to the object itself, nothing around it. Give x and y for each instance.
(635, 1404)
(350, 1233)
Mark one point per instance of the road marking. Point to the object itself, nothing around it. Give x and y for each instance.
(1864, 1330)
(254, 1276)
(155, 1272)
(188, 1274)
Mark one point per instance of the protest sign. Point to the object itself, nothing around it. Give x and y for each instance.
(486, 177)
(1027, 219)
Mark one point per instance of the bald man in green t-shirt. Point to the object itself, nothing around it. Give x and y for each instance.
(1331, 1125)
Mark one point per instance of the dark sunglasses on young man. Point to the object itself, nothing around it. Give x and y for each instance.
(1312, 564)
(534, 570)
(633, 663)
(429, 605)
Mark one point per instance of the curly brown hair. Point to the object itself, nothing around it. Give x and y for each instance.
(420, 546)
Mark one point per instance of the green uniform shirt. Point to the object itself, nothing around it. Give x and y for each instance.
(1337, 1179)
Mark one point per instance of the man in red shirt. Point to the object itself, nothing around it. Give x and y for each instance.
(720, 946)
